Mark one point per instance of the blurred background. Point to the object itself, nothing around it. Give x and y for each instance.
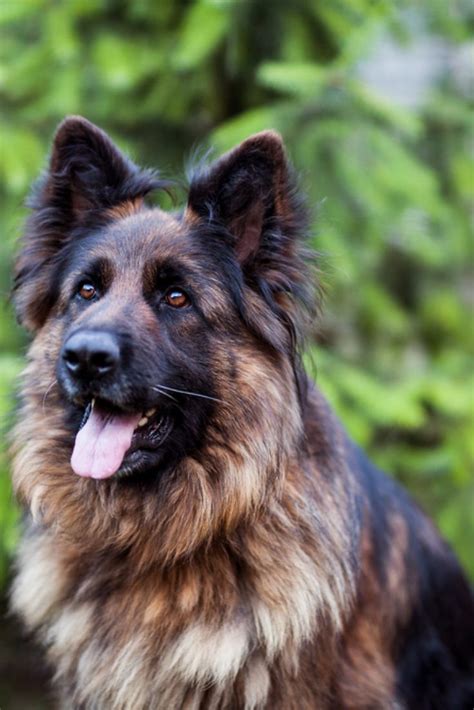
(373, 99)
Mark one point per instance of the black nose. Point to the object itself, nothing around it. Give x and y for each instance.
(91, 354)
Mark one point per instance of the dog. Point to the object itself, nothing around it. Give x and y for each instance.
(199, 530)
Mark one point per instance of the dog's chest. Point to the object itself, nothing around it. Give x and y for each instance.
(195, 634)
(126, 649)
(139, 668)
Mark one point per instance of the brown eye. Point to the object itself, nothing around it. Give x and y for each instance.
(87, 291)
(176, 298)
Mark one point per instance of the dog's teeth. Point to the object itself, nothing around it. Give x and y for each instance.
(150, 412)
(92, 401)
(143, 421)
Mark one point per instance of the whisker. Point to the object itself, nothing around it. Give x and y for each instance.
(158, 389)
(48, 390)
(192, 394)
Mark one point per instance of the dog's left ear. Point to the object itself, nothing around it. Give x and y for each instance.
(249, 191)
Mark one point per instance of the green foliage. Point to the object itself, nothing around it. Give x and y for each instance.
(392, 188)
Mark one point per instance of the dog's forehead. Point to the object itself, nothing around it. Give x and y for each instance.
(144, 235)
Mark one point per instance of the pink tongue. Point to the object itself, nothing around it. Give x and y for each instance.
(102, 443)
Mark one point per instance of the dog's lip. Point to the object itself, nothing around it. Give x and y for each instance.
(144, 455)
(151, 434)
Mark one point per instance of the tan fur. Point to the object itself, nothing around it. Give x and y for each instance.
(244, 555)
(368, 670)
(194, 625)
(125, 209)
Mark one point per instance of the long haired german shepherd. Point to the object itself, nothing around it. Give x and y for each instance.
(201, 533)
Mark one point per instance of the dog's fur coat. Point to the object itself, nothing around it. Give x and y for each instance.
(262, 562)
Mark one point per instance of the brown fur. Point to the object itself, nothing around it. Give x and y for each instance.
(263, 578)
(272, 567)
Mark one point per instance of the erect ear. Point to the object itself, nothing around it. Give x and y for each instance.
(245, 190)
(88, 172)
(86, 179)
(251, 192)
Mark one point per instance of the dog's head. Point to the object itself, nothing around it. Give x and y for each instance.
(163, 341)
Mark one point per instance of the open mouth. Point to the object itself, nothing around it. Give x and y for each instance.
(112, 442)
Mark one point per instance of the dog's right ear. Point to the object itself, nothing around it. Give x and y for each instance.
(88, 172)
(88, 176)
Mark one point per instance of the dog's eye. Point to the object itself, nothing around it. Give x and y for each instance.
(86, 291)
(176, 298)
